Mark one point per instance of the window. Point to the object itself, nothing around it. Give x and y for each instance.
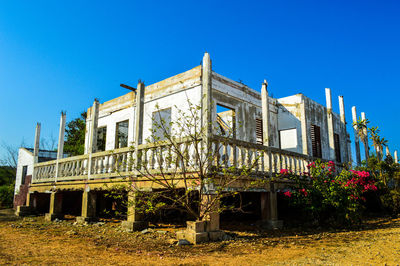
(225, 121)
(288, 139)
(24, 173)
(161, 124)
(316, 141)
(337, 148)
(259, 131)
(121, 134)
(101, 138)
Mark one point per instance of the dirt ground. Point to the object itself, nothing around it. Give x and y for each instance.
(33, 241)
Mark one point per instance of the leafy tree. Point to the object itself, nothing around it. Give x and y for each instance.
(75, 136)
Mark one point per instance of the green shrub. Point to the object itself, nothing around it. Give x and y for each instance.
(391, 202)
(6, 195)
(329, 198)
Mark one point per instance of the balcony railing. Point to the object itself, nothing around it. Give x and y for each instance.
(155, 158)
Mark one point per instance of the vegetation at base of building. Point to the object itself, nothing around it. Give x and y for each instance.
(329, 198)
(75, 136)
(343, 199)
(7, 179)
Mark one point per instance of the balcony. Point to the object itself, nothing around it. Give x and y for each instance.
(264, 161)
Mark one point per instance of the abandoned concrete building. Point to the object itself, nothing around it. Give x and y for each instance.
(288, 133)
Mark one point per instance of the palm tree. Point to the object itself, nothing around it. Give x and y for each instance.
(362, 131)
(378, 142)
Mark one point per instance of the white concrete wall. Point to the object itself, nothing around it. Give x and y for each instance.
(176, 101)
(289, 117)
(25, 157)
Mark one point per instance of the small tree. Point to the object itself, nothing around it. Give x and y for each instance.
(75, 136)
(189, 171)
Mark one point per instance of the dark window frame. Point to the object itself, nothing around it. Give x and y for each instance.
(24, 174)
(316, 141)
(336, 138)
(101, 145)
(117, 134)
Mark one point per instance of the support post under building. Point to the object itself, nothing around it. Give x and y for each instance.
(55, 210)
(88, 210)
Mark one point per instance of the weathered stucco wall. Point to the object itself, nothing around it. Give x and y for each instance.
(288, 129)
(289, 119)
(173, 93)
(25, 157)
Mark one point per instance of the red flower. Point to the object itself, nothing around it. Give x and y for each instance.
(287, 194)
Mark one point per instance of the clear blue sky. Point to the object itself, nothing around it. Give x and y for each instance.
(61, 55)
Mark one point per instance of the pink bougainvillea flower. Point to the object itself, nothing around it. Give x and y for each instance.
(284, 171)
(287, 193)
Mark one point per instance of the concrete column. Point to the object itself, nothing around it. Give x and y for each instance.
(88, 211)
(210, 202)
(55, 210)
(206, 85)
(331, 138)
(269, 209)
(387, 151)
(134, 217)
(304, 131)
(356, 136)
(94, 114)
(395, 157)
(37, 142)
(139, 112)
(265, 206)
(60, 149)
(365, 141)
(344, 131)
(265, 113)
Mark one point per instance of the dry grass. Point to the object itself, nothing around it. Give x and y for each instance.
(34, 241)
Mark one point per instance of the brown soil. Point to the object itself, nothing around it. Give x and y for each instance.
(33, 241)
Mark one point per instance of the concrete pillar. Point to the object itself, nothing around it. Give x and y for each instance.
(304, 131)
(30, 198)
(37, 142)
(387, 151)
(265, 113)
(94, 114)
(55, 210)
(206, 85)
(365, 141)
(332, 155)
(88, 211)
(60, 149)
(269, 209)
(356, 136)
(344, 131)
(134, 217)
(139, 111)
(210, 202)
(395, 157)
